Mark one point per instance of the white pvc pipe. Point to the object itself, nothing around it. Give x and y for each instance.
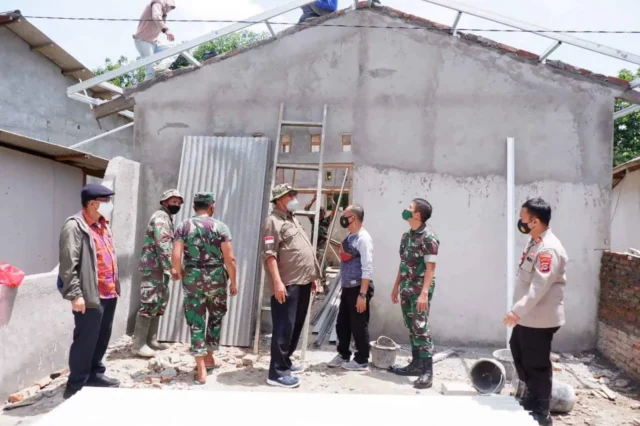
(102, 135)
(511, 226)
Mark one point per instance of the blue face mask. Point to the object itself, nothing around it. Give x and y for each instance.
(293, 205)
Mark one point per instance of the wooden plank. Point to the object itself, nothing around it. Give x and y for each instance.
(610, 394)
(41, 46)
(113, 107)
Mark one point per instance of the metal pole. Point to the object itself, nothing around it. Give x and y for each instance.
(333, 221)
(511, 235)
(102, 135)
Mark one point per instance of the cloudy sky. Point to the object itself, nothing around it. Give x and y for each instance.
(92, 42)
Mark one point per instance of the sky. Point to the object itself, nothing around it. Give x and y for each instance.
(92, 42)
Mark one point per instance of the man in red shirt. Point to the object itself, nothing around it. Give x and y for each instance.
(89, 275)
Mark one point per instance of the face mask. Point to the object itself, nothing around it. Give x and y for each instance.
(105, 209)
(173, 209)
(344, 222)
(523, 227)
(293, 205)
(406, 215)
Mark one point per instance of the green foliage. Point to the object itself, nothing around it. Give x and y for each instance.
(626, 136)
(221, 46)
(129, 79)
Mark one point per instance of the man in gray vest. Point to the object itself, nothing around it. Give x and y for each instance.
(538, 311)
(356, 270)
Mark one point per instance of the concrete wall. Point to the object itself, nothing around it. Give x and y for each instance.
(36, 341)
(625, 210)
(37, 196)
(34, 103)
(429, 114)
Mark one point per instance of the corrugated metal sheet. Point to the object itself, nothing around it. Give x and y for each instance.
(235, 170)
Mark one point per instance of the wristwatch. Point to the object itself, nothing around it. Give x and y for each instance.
(363, 295)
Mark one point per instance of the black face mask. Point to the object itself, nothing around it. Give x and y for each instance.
(173, 209)
(523, 227)
(344, 222)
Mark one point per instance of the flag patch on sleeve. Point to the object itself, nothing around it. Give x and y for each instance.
(268, 241)
(545, 262)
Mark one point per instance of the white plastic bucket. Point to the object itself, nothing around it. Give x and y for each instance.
(383, 352)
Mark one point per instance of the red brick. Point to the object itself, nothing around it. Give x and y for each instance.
(528, 54)
(616, 80)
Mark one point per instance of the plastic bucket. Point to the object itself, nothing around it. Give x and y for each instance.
(383, 352)
(505, 357)
(7, 300)
(487, 376)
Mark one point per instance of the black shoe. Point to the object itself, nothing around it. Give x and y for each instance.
(527, 403)
(542, 419)
(540, 412)
(103, 382)
(412, 369)
(68, 392)
(425, 381)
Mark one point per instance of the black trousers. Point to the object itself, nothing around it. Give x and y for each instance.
(531, 350)
(288, 321)
(352, 323)
(90, 341)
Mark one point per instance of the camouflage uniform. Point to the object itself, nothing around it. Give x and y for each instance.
(205, 277)
(416, 249)
(155, 264)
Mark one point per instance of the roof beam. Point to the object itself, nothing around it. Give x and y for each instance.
(626, 111)
(270, 28)
(176, 50)
(454, 27)
(549, 51)
(112, 107)
(41, 46)
(71, 157)
(510, 22)
(67, 73)
(93, 101)
(101, 135)
(10, 18)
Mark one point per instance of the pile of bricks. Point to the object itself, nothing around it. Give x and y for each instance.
(619, 311)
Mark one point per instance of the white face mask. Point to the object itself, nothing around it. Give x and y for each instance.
(105, 209)
(292, 206)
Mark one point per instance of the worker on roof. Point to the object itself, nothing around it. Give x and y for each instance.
(155, 267)
(152, 23)
(209, 263)
(320, 8)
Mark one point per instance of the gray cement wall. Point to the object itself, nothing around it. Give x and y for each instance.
(36, 341)
(429, 114)
(34, 103)
(38, 195)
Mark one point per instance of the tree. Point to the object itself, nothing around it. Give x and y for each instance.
(221, 46)
(126, 80)
(626, 135)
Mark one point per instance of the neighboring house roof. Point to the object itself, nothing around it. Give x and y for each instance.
(619, 172)
(418, 22)
(39, 42)
(91, 164)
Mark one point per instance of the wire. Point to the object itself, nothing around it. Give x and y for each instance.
(224, 21)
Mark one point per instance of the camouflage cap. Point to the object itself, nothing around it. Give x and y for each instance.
(204, 197)
(171, 193)
(281, 190)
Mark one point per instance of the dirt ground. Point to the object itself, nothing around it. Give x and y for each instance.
(173, 368)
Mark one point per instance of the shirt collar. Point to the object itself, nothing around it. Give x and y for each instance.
(281, 214)
(420, 230)
(102, 221)
(541, 237)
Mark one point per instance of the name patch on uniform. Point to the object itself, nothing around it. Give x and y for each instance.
(545, 262)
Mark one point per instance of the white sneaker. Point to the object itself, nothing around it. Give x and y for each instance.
(338, 361)
(354, 366)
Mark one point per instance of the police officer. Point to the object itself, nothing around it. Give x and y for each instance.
(209, 263)
(414, 289)
(538, 311)
(292, 270)
(155, 266)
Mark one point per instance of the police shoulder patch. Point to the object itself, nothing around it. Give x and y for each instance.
(545, 262)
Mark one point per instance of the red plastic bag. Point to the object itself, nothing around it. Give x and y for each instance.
(10, 275)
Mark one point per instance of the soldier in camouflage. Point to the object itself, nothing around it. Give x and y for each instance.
(155, 267)
(414, 288)
(209, 263)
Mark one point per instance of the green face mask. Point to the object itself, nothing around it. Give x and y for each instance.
(406, 215)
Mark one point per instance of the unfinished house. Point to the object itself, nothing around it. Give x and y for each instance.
(34, 73)
(411, 113)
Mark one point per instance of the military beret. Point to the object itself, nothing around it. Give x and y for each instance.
(92, 192)
(204, 197)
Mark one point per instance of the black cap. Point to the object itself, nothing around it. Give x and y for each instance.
(92, 191)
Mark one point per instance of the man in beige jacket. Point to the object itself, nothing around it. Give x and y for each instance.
(538, 311)
(152, 23)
